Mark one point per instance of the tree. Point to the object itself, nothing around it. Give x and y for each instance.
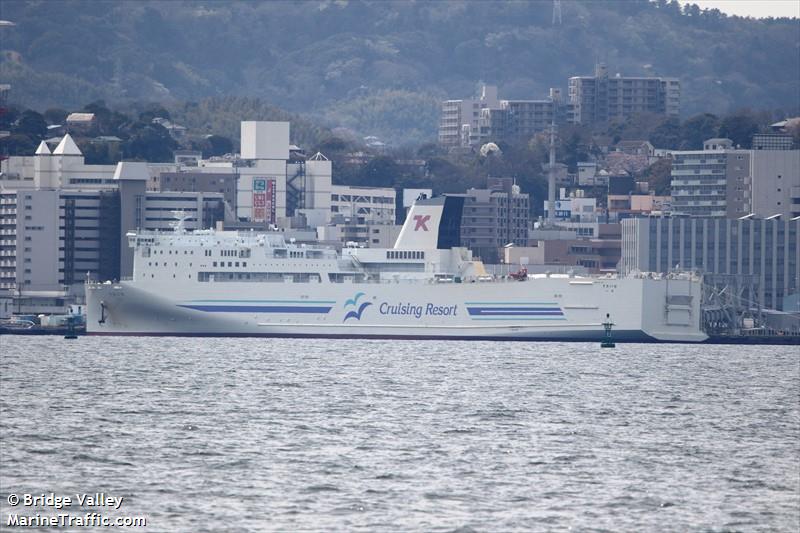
(429, 150)
(667, 134)
(150, 143)
(446, 176)
(97, 154)
(659, 175)
(16, 144)
(8, 117)
(691, 10)
(697, 129)
(574, 151)
(56, 115)
(216, 145)
(381, 171)
(106, 122)
(153, 111)
(32, 124)
(739, 127)
(333, 144)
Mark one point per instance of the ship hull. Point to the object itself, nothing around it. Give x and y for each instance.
(544, 309)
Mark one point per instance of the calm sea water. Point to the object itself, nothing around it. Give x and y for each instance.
(306, 435)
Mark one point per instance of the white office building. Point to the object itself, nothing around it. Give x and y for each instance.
(765, 252)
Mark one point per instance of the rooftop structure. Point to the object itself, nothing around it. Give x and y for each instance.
(80, 118)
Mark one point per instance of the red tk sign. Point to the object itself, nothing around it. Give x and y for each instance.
(421, 221)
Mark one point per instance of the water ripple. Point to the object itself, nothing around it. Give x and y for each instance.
(287, 435)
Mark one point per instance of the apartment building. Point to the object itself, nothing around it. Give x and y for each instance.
(713, 182)
(601, 98)
(519, 120)
(726, 182)
(461, 119)
(493, 218)
(473, 122)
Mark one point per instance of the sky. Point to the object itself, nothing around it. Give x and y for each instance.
(752, 8)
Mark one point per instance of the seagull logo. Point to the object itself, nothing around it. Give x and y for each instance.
(354, 299)
(357, 309)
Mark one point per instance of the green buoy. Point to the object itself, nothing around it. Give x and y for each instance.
(71, 328)
(608, 342)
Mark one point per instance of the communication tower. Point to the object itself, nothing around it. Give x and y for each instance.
(557, 12)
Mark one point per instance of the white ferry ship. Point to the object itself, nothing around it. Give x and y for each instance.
(224, 283)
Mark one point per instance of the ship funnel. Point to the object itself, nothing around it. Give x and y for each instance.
(432, 223)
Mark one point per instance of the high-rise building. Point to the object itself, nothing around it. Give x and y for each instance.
(601, 98)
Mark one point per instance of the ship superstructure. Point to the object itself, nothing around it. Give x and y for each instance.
(256, 284)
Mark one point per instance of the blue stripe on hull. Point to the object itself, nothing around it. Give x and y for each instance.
(265, 301)
(514, 311)
(520, 318)
(510, 303)
(257, 309)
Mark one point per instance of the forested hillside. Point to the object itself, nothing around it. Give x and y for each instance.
(380, 67)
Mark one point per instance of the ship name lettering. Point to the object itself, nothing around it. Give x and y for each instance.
(417, 311)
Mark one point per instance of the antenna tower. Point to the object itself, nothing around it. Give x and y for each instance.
(551, 177)
(556, 12)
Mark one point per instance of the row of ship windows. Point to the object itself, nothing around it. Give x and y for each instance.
(146, 252)
(275, 277)
(207, 253)
(155, 263)
(221, 263)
